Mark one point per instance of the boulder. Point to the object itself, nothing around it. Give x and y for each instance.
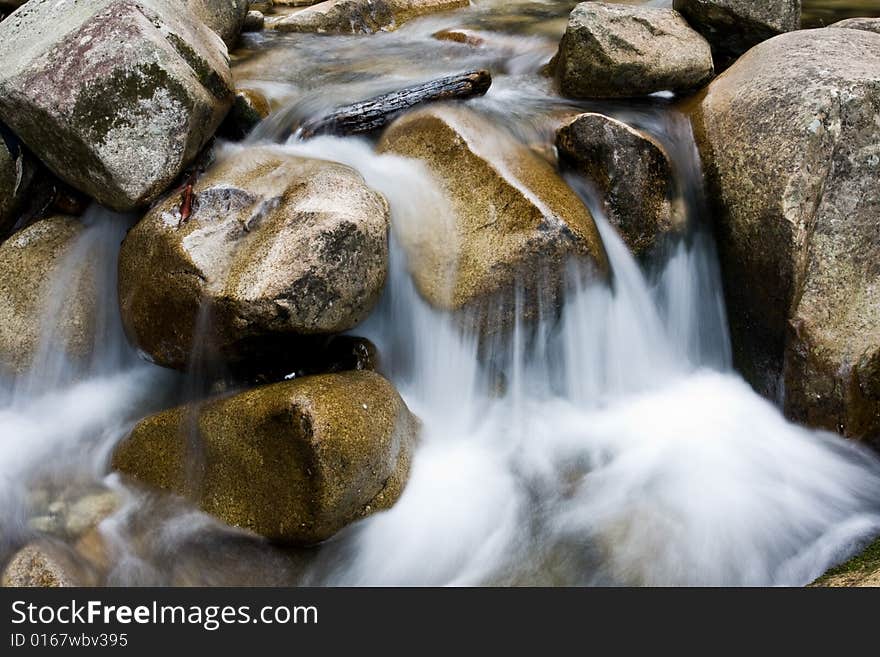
(275, 247)
(255, 21)
(294, 461)
(867, 24)
(37, 565)
(360, 16)
(734, 26)
(225, 17)
(612, 50)
(790, 144)
(16, 174)
(119, 124)
(514, 221)
(30, 261)
(633, 174)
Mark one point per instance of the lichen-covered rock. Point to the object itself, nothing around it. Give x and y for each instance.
(633, 173)
(276, 247)
(360, 16)
(119, 123)
(861, 571)
(612, 50)
(866, 24)
(37, 566)
(790, 143)
(225, 17)
(514, 221)
(294, 462)
(30, 261)
(734, 26)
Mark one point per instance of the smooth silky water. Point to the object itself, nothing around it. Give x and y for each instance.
(611, 443)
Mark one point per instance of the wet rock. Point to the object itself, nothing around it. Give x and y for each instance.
(633, 173)
(225, 17)
(276, 247)
(860, 571)
(119, 124)
(866, 24)
(361, 16)
(789, 142)
(16, 174)
(467, 37)
(612, 50)
(513, 220)
(294, 462)
(734, 26)
(37, 565)
(85, 513)
(255, 21)
(29, 262)
(248, 110)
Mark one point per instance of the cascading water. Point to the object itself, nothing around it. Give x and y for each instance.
(611, 444)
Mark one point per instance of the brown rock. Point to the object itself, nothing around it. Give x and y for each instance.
(294, 461)
(633, 173)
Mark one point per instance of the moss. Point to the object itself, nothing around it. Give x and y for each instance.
(97, 109)
(208, 77)
(866, 561)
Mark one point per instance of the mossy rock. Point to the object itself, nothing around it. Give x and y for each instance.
(293, 461)
(861, 570)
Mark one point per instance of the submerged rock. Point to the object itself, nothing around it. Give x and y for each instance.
(633, 173)
(866, 24)
(361, 16)
(37, 566)
(118, 123)
(789, 142)
(30, 262)
(294, 461)
(734, 26)
(612, 50)
(275, 247)
(514, 221)
(225, 17)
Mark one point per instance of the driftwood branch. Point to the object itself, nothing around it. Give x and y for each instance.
(369, 115)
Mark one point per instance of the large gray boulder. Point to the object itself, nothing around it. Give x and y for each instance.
(612, 50)
(225, 17)
(119, 123)
(360, 16)
(294, 461)
(867, 24)
(31, 261)
(514, 223)
(734, 26)
(276, 247)
(633, 174)
(790, 142)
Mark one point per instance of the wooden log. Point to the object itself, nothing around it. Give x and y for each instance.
(374, 113)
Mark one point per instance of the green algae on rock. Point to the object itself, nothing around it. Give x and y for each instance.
(293, 461)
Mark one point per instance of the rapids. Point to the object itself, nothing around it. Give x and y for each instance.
(612, 445)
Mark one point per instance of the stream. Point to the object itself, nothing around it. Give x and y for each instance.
(613, 445)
